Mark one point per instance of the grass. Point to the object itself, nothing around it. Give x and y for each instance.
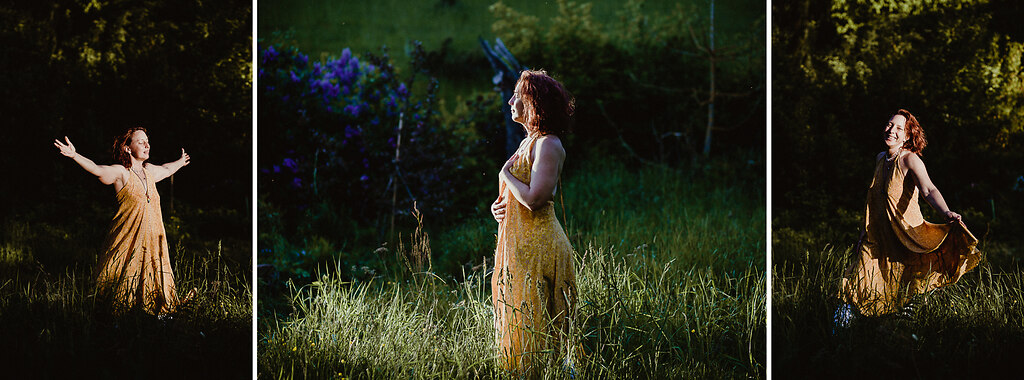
(970, 329)
(53, 329)
(669, 268)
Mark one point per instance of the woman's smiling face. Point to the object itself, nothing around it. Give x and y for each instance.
(896, 131)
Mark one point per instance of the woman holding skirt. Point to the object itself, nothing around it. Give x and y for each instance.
(901, 255)
(135, 269)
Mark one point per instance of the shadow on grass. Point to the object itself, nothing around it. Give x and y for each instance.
(52, 328)
(970, 329)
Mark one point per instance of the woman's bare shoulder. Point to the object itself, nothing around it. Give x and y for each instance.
(551, 142)
(911, 160)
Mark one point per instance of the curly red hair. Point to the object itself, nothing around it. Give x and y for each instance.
(915, 134)
(548, 106)
(122, 141)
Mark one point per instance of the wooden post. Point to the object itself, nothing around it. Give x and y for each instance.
(394, 179)
(711, 93)
(506, 73)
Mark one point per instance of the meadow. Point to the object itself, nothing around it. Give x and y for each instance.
(669, 246)
(670, 271)
(53, 327)
(970, 329)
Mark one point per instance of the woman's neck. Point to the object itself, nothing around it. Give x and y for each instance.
(137, 165)
(894, 150)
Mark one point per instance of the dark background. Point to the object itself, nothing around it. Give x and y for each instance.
(180, 70)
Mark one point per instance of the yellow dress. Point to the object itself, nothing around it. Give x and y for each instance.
(534, 283)
(903, 255)
(135, 270)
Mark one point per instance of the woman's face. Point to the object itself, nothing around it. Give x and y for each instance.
(518, 109)
(139, 146)
(896, 131)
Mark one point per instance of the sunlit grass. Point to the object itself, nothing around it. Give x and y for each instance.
(669, 269)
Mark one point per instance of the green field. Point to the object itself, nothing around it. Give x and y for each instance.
(53, 327)
(670, 271)
(970, 329)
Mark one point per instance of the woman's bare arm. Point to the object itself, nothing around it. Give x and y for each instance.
(928, 190)
(543, 177)
(107, 174)
(160, 172)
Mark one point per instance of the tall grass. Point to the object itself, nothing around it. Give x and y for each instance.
(970, 329)
(668, 269)
(52, 327)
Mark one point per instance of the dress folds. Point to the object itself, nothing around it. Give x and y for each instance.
(135, 270)
(901, 254)
(534, 283)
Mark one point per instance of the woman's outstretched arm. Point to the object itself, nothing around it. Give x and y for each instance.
(544, 174)
(107, 174)
(160, 172)
(928, 190)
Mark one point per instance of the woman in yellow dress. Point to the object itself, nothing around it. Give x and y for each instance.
(534, 283)
(135, 269)
(901, 255)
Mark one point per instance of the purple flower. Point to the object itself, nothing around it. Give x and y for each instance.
(297, 182)
(291, 164)
(352, 109)
(402, 90)
(270, 54)
(350, 132)
(364, 178)
(277, 169)
(295, 78)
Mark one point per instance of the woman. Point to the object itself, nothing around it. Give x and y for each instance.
(534, 283)
(899, 254)
(135, 270)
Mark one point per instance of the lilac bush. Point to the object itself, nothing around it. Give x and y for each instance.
(329, 131)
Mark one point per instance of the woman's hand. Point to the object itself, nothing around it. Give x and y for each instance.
(506, 170)
(952, 216)
(107, 174)
(184, 157)
(67, 150)
(498, 208)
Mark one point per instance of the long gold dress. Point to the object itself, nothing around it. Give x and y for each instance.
(534, 283)
(903, 255)
(135, 270)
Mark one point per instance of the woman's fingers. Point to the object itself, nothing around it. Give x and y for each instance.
(952, 216)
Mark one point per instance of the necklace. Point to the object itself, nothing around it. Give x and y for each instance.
(891, 158)
(144, 184)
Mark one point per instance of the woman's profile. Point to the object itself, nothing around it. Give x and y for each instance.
(134, 271)
(534, 282)
(901, 255)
